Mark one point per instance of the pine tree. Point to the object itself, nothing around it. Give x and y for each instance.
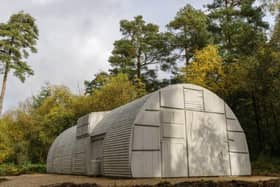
(17, 39)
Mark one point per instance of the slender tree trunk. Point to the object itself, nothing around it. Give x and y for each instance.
(187, 60)
(187, 56)
(4, 82)
(138, 67)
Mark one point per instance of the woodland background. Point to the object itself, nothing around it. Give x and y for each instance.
(227, 48)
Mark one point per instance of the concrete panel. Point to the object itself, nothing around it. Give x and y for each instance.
(233, 125)
(78, 163)
(66, 164)
(229, 112)
(174, 159)
(60, 154)
(96, 150)
(173, 131)
(240, 164)
(237, 142)
(213, 103)
(172, 96)
(94, 119)
(172, 116)
(148, 118)
(146, 138)
(82, 130)
(193, 99)
(153, 103)
(79, 156)
(146, 164)
(207, 144)
(87, 123)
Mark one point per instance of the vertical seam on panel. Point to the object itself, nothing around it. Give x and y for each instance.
(131, 147)
(186, 134)
(203, 100)
(161, 168)
(160, 139)
(227, 140)
(159, 98)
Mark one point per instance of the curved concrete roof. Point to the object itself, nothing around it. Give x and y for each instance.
(136, 136)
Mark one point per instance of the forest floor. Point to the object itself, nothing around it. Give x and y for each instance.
(52, 180)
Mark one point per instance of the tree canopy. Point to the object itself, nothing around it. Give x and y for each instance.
(18, 38)
(227, 48)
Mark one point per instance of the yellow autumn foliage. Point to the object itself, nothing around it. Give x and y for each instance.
(206, 69)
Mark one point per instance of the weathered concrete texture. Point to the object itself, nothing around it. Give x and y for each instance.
(178, 131)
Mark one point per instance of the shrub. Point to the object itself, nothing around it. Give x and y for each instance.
(27, 168)
(266, 166)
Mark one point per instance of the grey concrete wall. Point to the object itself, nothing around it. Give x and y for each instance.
(186, 130)
(71, 151)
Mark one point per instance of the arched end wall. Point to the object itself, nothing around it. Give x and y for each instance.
(60, 154)
(186, 130)
(72, 151)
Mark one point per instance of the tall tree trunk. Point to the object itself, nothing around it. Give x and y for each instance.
(4, 82)
(187, 58)
(138, 67)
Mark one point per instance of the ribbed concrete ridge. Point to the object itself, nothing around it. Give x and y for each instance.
(181, 130)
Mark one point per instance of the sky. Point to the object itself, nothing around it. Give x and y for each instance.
(76, 38)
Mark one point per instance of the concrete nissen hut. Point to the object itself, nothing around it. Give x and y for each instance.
(178, 131)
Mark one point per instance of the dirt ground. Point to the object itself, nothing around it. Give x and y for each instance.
(35, 180)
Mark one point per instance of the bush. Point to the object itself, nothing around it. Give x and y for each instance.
(266, 166)
(33, 168)
(27, 168)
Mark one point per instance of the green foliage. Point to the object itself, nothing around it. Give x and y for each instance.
(237, 26)
(26, 168)
(275, 38)
(272, 5)
(207, 69)
(225, 49)
(100, 80)
(141, 48)
(27, 132)
(266, 166)
(18, 38)
(118, 91)
(190, 32)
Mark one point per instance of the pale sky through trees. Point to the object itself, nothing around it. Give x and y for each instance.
(76, 38)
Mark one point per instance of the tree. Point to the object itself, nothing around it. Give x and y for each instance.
(117, 91)
(275, 38)
(99, 81)
(237, 27)
(189, 30)
(272, 5)
(141, 49)
(17, 39)
(207, 69)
